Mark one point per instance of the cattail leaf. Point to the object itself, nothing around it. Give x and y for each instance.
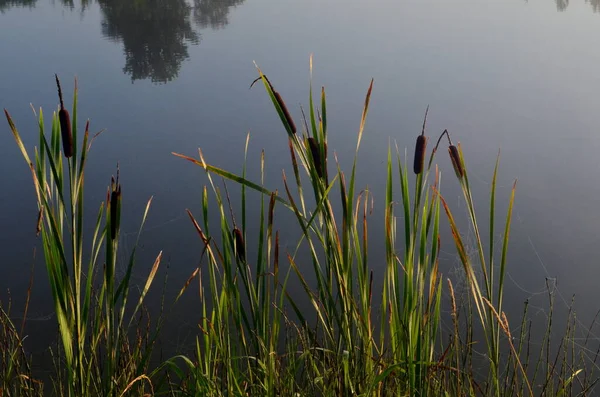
(148, 283)
(55, 168)
(492, 214)
(464, 258)
(297, 176)
(363, 117)
(311, 296)
(97, 240)
(403, 174)
(84, 148)
(363, 120)
(74, 125)
(505, 245)
(123, 288)
(323, 138)
(311, 105)
(320, 208)
(17, 137)
(233, 177)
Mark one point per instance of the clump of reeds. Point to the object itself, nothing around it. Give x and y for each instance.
(98, 355)
(16, 375)
(338, 348)
(258, 336)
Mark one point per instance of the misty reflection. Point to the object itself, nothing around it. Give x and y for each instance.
(562, 5)
(71, 4)
(595, 5)
(213, 13)
(155, 35)
(8, 4)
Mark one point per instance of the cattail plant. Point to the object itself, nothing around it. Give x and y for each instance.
(285, 110)
(65, 123)
(98, 352)
(420, 148)
(401, 351)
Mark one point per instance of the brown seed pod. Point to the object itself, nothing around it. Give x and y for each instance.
(286, 113)
(65, 124)
(456, 163)
(115, 206)
(240, 246)
(420, 149)
(316, 155)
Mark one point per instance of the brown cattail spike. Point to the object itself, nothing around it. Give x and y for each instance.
(456, 163)
(65, 124)
(115, 207)
(421, 148)
(315, 151)
(240, 246)
(285, 111)
(454, 156)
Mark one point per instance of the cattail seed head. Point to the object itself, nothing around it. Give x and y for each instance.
(240, 246)
(65, 124)
(115, 208)
(420, 149)
(65, 130)
(286, 113)
(456, 163)
(316, 155)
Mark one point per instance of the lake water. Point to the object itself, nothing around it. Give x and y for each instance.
(168, 76)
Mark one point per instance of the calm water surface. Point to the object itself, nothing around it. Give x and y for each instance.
(171, 75)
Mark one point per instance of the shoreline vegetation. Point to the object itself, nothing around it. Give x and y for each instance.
(254, 338)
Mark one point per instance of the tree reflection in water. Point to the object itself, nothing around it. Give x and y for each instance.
(213, 13)
(156, 33)
(8, 4)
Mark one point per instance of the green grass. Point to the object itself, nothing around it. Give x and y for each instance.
(341, 336)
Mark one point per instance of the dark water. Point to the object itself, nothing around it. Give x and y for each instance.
(171, 75)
